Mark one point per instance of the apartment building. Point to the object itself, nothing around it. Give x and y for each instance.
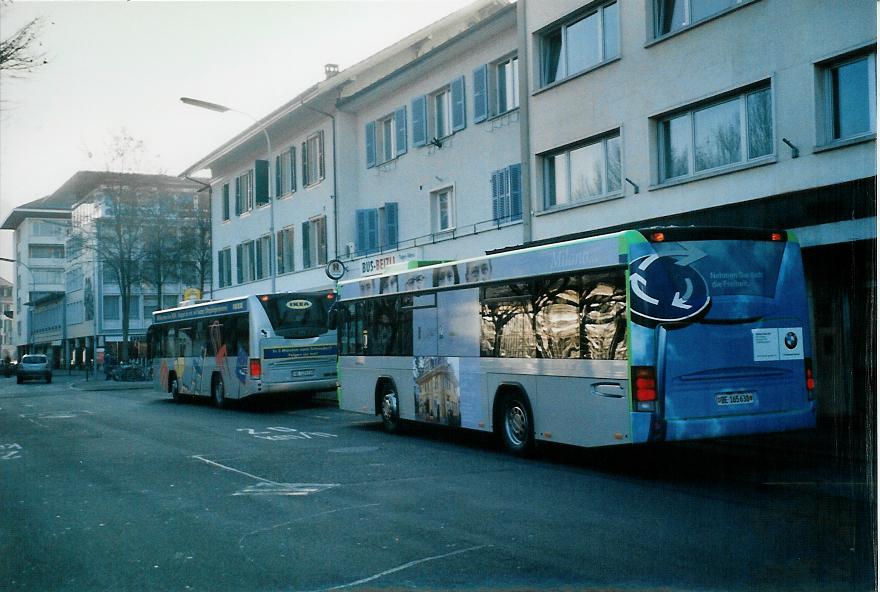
(7, 314)
(516, 124)
(74, 307)
(733, 112)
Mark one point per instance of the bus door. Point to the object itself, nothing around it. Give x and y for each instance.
(425, 325)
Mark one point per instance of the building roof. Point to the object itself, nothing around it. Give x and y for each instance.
(363, 73)
(59, 203)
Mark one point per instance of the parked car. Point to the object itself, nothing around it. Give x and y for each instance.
(33, 366)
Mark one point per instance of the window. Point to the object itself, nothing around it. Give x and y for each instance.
(134, 307)
(376, 228)
(313, 159)
(169, 301)
(850, 91)
(244, 254)
(439, 114)
(506, 85)
(584, 173)
(285, 172)
(224, 268)
(314, 242)
(264, 257)
(244, 193)
(507, 194)
(561, 317)
(225, 201)
(443, 210)
(732, 131)
(151, 304)
(111, 308)
(673, 15)
(74, 280)
(285, 250)
(386, 138)
(580, 44)
(48, 276)
(46, 251)
(45, 228)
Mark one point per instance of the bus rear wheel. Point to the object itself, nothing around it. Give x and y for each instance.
(174, 389)
(516, 429)
(390, 408)
(218, 393)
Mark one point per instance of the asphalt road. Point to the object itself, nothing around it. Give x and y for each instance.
(125, 490)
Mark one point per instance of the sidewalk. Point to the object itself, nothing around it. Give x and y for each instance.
(84, 382)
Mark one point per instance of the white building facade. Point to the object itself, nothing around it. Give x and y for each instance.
(510, 124)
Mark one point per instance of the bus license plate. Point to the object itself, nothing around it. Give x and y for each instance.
(734, 398)
(301, 373)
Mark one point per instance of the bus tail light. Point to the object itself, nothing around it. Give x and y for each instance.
(644, 388)
(811, 382)
(256, 368)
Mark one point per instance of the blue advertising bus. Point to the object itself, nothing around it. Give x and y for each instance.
(638, 336)
(240, 347)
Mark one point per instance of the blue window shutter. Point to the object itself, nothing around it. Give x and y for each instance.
(305, 165)
(371, 144)
(361, 234)
(239, 263)
(400, 130)
(391, 224)
(238, 196)
(307, 258)
(459, 113)
(496, 195)
(278, 188)
(481, 94)
(292, 165)
(373, 230)
(321, 155)
(226, 201)
(419, 121)
(516, 211)
(261, 181)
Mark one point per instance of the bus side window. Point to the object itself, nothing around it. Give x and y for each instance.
(506, 329)
(171, 341)
(243, 333)
(603, 316)
(557, 325)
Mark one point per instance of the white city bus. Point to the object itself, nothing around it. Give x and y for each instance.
(246, 346)
(637, 336)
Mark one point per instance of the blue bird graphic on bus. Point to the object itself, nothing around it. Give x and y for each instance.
(241, 364)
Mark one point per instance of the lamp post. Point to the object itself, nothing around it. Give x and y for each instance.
(223, 109)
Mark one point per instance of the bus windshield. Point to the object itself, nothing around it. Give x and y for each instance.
(297, 316)
(731, 268)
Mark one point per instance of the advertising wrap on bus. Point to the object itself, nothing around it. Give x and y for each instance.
(638, 336)
(246, 346)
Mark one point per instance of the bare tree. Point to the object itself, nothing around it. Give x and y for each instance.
(20, 53)
(161, 248)
(195, 240)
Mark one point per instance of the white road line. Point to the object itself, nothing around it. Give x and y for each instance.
(300, 519)
(400, 568)
(216, 464)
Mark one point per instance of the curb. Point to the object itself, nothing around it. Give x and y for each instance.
(96, 385)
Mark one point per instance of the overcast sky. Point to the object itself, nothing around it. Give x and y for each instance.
(114, 65)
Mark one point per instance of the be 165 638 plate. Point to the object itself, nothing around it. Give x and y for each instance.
(725, 399)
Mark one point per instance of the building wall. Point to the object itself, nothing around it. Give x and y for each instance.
(780, 41)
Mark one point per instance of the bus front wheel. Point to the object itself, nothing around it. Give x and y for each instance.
(218, 393)
(390, 408)
(516, 429)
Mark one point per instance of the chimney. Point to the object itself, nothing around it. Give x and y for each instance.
(330, 70)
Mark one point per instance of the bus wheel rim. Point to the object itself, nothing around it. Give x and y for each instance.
(517, 424)
(389, 406)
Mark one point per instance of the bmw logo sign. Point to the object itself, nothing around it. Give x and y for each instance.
(791, 340)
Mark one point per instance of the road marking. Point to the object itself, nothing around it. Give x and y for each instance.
(277, 434)
(400, 568)
(10, 451)
(269, 487)
(301, 519)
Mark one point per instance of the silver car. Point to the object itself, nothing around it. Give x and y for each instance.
(34, 366)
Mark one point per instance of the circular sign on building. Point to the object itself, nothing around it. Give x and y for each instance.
(664, 289)
(335, 269)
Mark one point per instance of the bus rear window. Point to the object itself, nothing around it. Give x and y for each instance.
(297, 316)
(731, 268)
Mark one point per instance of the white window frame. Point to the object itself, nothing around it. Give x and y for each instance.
(562, 30)
(607, 190)
(386, 148)
(314, 143)
(741, 96)
(224, 267)
(511, 85)
(263, 245)
(829, 99)
(436, 212)
(286, 252)
(317, 241)
(443, 98)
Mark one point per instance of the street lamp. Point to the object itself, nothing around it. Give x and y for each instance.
(223, 109)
